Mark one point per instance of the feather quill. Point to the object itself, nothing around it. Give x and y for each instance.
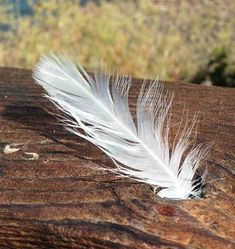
(100, 113)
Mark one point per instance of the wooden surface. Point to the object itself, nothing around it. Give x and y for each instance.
(55, 198)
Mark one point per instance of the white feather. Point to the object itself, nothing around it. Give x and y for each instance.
(102, 116)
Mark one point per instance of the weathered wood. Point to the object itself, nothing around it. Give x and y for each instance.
(59, 200)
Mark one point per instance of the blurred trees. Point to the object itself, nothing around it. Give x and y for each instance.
(177, 40)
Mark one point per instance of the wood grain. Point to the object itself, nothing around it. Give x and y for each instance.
(60, 200)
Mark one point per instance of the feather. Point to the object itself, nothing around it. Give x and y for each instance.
(98, 111)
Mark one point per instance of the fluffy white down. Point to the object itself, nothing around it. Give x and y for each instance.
(96, 108)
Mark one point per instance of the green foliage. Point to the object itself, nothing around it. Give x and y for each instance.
(220, 69)
(173, 40)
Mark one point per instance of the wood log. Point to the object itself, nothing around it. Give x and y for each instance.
(53, 196)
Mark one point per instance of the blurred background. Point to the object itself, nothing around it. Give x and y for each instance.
(178, 40)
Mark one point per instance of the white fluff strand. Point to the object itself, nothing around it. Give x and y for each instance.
(101, 114)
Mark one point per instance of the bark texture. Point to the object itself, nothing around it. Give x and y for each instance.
(51, 196)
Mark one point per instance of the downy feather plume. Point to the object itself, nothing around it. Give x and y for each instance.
(98, 111)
